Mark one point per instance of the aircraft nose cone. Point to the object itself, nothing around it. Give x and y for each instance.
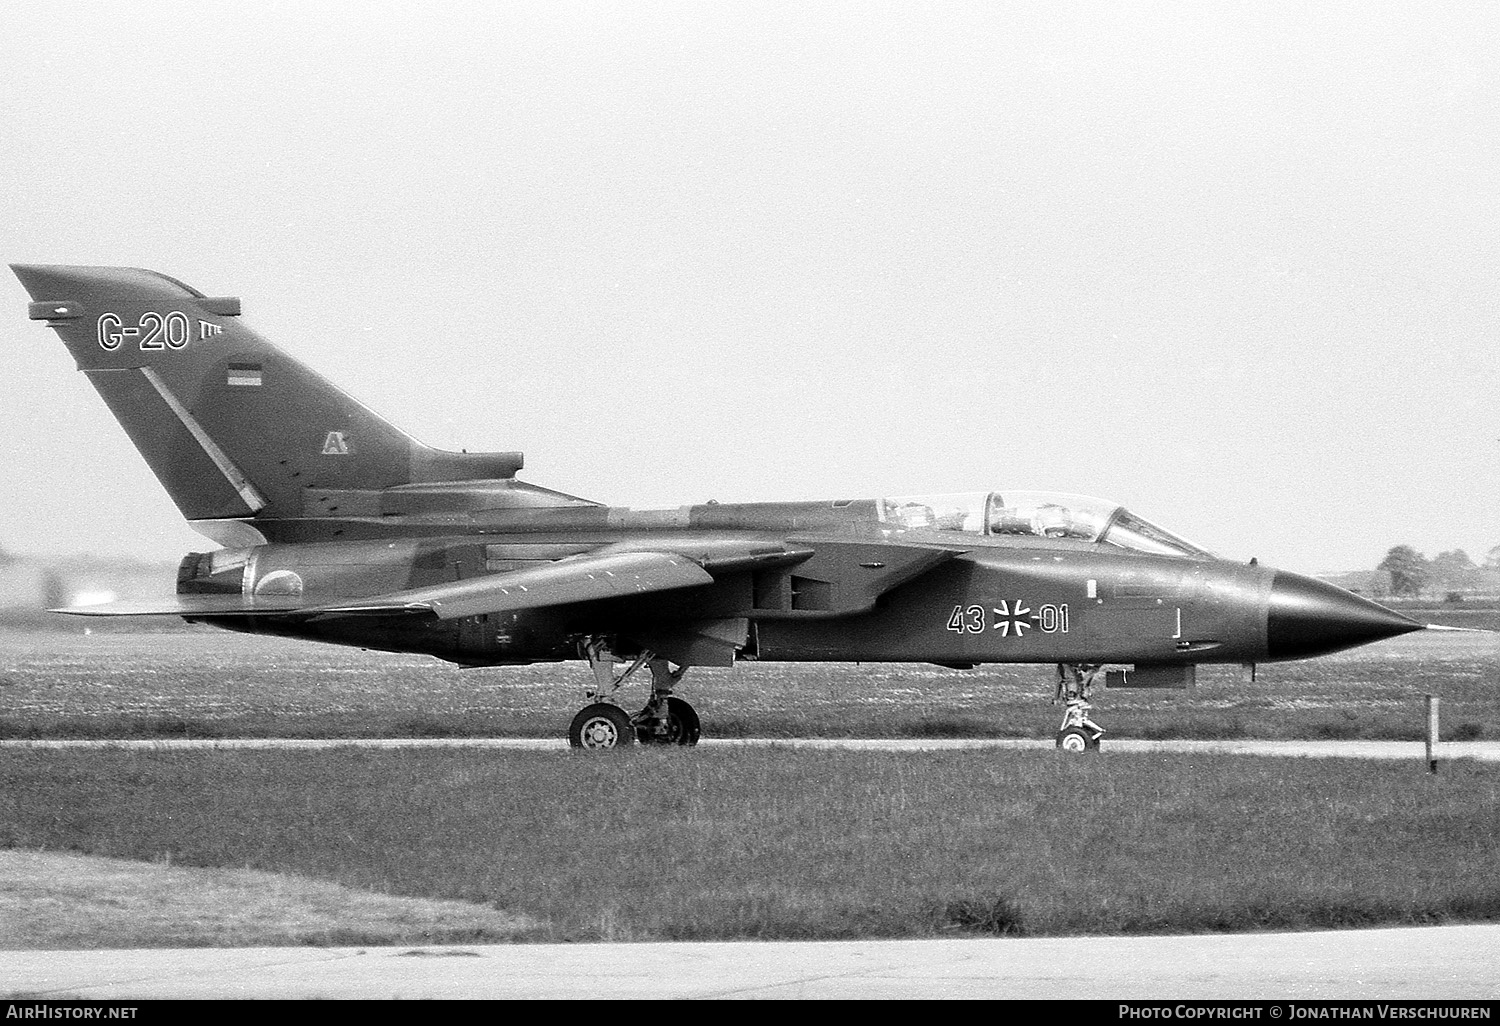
(1307, 617)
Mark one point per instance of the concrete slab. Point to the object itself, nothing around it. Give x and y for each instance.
(1450, 962)
(1485, 751)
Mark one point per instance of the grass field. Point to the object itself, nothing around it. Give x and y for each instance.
(774, 843)
(58, 681)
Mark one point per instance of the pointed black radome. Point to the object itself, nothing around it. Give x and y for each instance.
(1307, 617)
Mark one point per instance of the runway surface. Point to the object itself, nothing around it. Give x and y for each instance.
(1451, 962)
(1485, 751)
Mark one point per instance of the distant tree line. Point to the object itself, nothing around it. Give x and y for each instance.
(1412, 573)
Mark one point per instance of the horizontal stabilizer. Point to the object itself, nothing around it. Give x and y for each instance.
(585, 578)
(190, 605)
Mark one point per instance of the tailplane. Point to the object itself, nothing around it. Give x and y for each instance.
(233, 427)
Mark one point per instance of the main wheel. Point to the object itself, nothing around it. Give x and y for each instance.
(601, 725)
(683, 727)
(1076, 739)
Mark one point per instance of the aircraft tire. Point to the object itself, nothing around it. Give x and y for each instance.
(601, 725)
(683, 726)
(1076, 739)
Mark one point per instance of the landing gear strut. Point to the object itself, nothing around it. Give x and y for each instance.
(665, 719)
(1078, 733)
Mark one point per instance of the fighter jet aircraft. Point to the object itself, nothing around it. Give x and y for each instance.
(336, 526)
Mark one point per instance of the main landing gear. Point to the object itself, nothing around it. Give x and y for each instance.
(1078, 733)
(665, 720)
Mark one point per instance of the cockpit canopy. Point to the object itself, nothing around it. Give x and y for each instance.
(1038, 514)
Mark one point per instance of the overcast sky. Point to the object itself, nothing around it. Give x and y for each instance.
(1236, 266)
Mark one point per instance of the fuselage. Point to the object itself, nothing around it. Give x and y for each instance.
(841, 580)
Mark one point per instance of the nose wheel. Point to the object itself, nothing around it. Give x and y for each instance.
(1078, 733)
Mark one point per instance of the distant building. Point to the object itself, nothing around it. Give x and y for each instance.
(31, 583)
(28, 585)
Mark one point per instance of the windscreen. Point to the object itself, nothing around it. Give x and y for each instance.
(1129, 531)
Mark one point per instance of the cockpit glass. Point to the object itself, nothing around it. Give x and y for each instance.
(960, 512)
(1048, 515)
(1034, 514)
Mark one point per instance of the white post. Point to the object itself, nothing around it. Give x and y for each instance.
(1432, 732)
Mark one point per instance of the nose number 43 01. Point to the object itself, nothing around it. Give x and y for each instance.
(1012, 619)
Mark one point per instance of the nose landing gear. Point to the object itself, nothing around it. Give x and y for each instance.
(1078, 733)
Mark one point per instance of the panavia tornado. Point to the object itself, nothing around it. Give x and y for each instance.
(336, 526)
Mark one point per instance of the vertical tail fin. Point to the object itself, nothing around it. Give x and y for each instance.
(231, 426)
